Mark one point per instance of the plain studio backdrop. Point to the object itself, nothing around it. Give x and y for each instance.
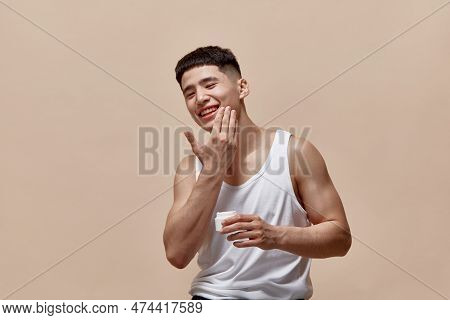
(78, 78)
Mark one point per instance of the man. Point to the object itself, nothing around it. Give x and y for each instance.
(286, 213)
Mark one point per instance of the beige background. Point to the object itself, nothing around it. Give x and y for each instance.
(69, 146)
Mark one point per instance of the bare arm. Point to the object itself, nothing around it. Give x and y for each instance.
(194, 201)
(191, 212)
(329, 235)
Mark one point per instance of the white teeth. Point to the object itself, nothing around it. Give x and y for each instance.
(207, 111)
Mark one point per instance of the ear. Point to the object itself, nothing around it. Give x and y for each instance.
(244, 89)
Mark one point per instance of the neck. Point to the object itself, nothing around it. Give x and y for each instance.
(249, 134)
(249, 140)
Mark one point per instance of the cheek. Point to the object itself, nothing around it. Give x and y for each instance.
(191, 110)
(190, 104)
(229, 96)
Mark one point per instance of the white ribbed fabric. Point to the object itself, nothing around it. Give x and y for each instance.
(228, 272)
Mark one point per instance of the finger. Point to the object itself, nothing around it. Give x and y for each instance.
(246, 244)
(236, 132)
(232, 129)
(226, 120)
(240, 226)
(191, 139)
(217, 121)
(243, 235)
(238, 218)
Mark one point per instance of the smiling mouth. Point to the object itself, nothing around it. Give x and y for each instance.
(206, 113)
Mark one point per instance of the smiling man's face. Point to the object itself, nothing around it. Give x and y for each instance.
(206, 88)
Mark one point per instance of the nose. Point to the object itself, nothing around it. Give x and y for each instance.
(201, 97)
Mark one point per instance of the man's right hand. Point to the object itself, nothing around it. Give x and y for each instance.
(218, 154)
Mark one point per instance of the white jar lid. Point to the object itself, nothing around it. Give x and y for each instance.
(226, 213)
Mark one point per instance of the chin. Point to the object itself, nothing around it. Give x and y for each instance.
(207, 128)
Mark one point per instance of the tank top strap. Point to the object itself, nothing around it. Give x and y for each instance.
(278, 171)
(280, 143)
(284, 143)
(279, 153)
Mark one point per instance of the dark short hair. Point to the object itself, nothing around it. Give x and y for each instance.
(203, 56)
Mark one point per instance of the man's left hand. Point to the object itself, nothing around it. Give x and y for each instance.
(252, 228)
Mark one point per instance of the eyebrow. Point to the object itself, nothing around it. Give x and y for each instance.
(204, 80)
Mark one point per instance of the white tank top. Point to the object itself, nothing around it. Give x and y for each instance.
(228, 272)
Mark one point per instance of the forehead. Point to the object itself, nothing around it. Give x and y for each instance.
(195, 75)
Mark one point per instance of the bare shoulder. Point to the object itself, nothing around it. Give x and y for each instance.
(308, 161)
(321, 199)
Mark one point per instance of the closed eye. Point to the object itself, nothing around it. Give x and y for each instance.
(208, 86)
